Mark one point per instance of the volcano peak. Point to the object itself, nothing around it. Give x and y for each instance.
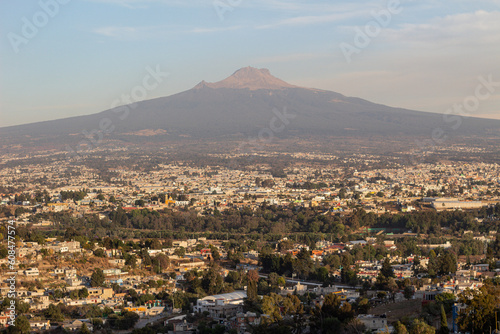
(249, 78)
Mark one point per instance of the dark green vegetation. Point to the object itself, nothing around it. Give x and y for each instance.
(275, 221)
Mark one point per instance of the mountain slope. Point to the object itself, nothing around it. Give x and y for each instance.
(241, 106)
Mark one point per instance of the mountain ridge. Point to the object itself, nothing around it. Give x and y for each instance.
(240, 107)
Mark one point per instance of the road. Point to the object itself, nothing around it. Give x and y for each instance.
(290, 280)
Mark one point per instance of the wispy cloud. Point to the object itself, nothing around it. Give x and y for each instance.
(290, 57)
(213, 30)
(116, 32)
(479, 27)
(138, 33)
(135, 4)
(312, 19)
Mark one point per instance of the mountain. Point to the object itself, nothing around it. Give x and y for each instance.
(249, 77)
(249, 103)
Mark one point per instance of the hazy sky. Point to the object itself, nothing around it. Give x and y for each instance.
(61, 58)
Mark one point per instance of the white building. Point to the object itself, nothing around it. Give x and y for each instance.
(222, 306)
(373, 322)
(31, 272)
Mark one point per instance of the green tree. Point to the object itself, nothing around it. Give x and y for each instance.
(84, 329)
(408, 292)
(22, 307)
(447, 299)
(53, 312)
(3, 251)
(180, 252)
(419, 326)
(432, 266)
(444, 322)
(215, 254)
(400, 328)
(447, 263)
(83, 293)
(212, 281)
(21, 326)
(271, 307)
(252, 278)
(99, 252)
(322, 274)
(387, 270)
(97, 278)
(481, 306)
(74, 295)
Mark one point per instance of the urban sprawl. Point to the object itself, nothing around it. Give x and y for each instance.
(306, 248)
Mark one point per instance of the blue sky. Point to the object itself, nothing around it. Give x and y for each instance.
(87, 53)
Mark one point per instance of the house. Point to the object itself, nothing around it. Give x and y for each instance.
(40, 325)
(103, 293)
(297, 289)
(373, 322)
(31, 272)
(76, 325)
(244, 320)
(73, 281)
(182, 326)
(141, 310)
(481, 267)
(222, 306)
(58, 271)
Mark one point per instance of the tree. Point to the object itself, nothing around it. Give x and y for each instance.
(444, 322)
(432, 265)
(130, 260)
(322, 274)
(271, 307)
(21, 326)
(408, 292)
(22, 307)
(331, 316)
(74, 295)
(84, 329)
(253, 278)
(447, 299)
(215, 255)
(53, 312)
(481, 306)
(387, 270)
(83, 293)
(3, 251)
(212, 281)
(273, 279)
(447, 263)
(180, 252)
(97, 278)
(160, 262)
(400, 328)
(419, 326)
(333, 307)
(99, 252)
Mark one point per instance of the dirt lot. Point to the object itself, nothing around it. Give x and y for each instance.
(396, 311)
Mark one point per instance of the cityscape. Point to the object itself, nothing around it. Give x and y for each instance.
(244, 167)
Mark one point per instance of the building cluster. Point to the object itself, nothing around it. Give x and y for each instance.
(59, 270)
